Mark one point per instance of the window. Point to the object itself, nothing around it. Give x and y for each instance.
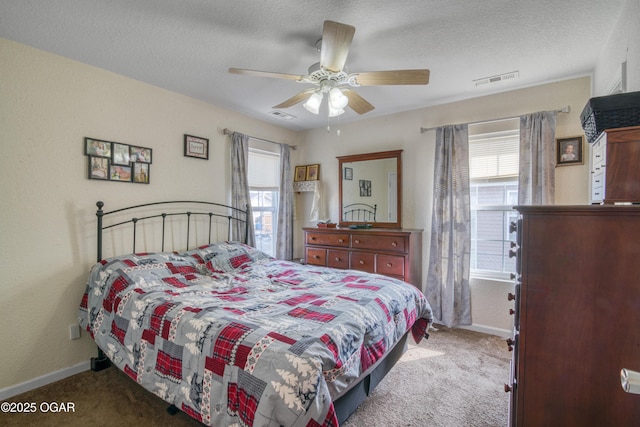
(493, 158)
(264, 184)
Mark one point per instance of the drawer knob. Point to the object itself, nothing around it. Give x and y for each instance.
(316, 257)
(512, 254)
(340, 241)
(511, 297)
(389, 264)
(361, 262)
(512, 311)
(394, 244)
(312, 238)
(513, 227)
(507, 388)
(356, 241)
(338, 259)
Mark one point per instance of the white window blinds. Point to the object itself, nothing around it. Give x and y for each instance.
(494, 155)
(264, 169)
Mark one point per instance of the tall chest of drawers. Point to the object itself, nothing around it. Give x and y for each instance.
(615, 166)
(576, 316)
(392, 252)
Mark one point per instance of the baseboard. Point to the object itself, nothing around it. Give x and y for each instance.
(43, 380)
(488, 330)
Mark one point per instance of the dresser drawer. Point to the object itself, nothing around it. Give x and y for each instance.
(316, 256)
(328, 239)
(379, 243)
(363, 261)
(338, 259)
(390, 265)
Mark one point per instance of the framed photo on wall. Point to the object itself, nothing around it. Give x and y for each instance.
(348, 174)
(197, 147)
(141, 173)
(141, 154)
(313, 172)
(121, 154)
(97, 147)
(569, 151)
(99, 167)
(301, 174)
(120, 173)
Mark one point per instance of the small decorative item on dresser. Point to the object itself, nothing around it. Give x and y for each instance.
(327, 224)
(197, 147)
(569, 151)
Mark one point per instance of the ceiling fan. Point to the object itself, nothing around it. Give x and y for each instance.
(328, 76)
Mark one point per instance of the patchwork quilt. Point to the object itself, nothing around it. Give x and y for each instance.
(233, 337)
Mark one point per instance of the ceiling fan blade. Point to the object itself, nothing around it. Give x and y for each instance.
(336, 40)
(295, 99)
(397, 77)
(255, 73)
(357, 103)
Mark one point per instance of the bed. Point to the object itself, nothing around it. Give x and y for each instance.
(232, 336)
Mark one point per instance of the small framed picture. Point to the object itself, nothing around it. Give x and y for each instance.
(140, 154)
(99, 167)
(121, 154)
(569, 151)
(197, 147)
(97, 147)
(365, 188)
(313, 172)
(120, 173)
(348, 174)
(141, 173)
(301, 174)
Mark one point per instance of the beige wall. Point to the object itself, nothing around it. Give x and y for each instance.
(402, 131)
(48, 104)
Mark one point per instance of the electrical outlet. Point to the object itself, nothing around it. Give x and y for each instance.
(74, 331)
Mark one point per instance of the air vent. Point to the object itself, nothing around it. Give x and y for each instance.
(495, 79)
(282, 115)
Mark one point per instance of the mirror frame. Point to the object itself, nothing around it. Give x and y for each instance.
(395, 154)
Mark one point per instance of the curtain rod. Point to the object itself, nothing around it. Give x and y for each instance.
(565, 109)
(226, 131)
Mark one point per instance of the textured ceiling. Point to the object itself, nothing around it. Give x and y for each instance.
(187, 46)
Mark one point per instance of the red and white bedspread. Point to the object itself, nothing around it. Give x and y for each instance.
(233, 337)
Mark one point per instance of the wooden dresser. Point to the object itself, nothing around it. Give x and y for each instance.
(576, 317)
(392, 252)
(615, 166)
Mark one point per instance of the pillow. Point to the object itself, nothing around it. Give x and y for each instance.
(224, 257)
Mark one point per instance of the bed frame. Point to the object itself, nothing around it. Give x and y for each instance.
(360, 212)
(349, 400)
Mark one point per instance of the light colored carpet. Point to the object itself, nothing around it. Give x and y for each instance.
(453, 379)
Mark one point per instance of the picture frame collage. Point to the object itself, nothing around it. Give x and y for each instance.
(115, 161)
(307, 173)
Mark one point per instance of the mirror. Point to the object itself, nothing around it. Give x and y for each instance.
(371, 189)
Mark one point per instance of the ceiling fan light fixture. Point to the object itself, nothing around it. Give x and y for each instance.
(337, 99)
(335, 112)
(313, 103)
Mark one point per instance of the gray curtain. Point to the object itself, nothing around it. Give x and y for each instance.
(284, 230)
(536, 184)
(447, 288)
(240, 194)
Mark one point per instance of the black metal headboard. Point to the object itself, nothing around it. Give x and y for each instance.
(360, 212)
(230, 213)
